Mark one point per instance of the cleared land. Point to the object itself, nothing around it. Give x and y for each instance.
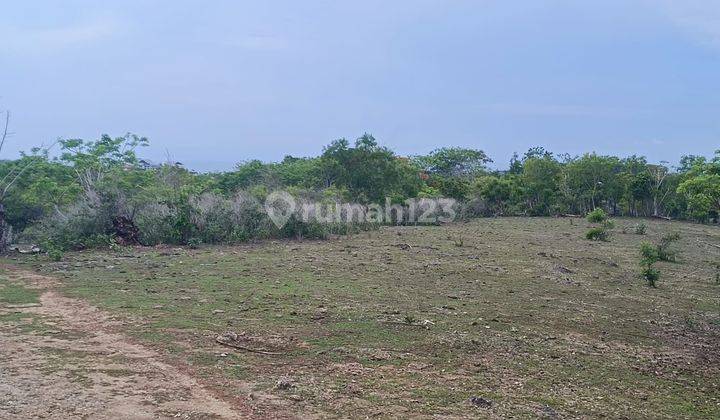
(523, 314)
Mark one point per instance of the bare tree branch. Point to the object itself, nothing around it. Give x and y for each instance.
(5, 130)
(7, 175)
(17, 176)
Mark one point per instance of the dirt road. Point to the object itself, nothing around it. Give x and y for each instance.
(62, 358)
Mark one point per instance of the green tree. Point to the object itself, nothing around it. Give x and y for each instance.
(495, 191)
(701, 187)
(368, 171)
(13, 173)
(591, 180)
(540, 182)
(454, 162)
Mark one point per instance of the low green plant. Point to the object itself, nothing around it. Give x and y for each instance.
(665, 249)
(640, 228)
(649, 256)
(608, 224)
(651, 275)
(596, 216)
(599, 233)
(194, 243)
(648, 253)
(55, 254)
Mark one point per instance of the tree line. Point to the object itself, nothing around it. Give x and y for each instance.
(96, 192)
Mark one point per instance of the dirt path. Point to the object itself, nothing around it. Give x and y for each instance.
(63, 359)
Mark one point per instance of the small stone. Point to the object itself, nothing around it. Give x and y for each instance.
(480, 402)
(284, 384)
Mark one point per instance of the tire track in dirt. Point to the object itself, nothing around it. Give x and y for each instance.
(78, 366)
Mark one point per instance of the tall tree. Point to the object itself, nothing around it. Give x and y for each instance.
(454, 161)
(658, 187)
(701, 186)
(368, 171)
(591, 178)
(10, 178)
(540, 182)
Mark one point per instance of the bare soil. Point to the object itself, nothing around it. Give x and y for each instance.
(76, 365)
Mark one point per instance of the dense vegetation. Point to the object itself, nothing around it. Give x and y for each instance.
(97, 192)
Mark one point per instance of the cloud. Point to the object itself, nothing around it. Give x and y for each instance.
(43, 40)
(699, 18)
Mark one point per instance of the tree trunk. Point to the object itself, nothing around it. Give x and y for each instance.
(655, 206)
(5, 231)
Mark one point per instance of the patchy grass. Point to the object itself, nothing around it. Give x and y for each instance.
(67, 362)
(12, 297)
(16, 294)
(403, 322)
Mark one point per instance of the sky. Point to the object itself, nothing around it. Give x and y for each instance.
(215, 83)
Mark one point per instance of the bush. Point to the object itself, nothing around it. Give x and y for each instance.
(665, 250)
(651, 275)
(55, 254)
(649, 256)
(78, 226)
(194, 243)
(596, 216)
(649, 253)
(156, 224)
(295, 228)
(640, 228)
(599, 233)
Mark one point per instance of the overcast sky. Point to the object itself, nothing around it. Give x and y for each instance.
(215, 83)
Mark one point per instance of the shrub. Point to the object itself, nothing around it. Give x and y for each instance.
(608, 224)
(651, 275)
(599, 233)
(665, 250)
(156, 224)
(299, 229)
(640, 228)
(649, 253)
(649, 256)
(78, 225)
(596, 216)
(55, 254)
(54, 251)
(194, 243)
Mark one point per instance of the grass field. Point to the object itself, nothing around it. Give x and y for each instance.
(522, 313)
